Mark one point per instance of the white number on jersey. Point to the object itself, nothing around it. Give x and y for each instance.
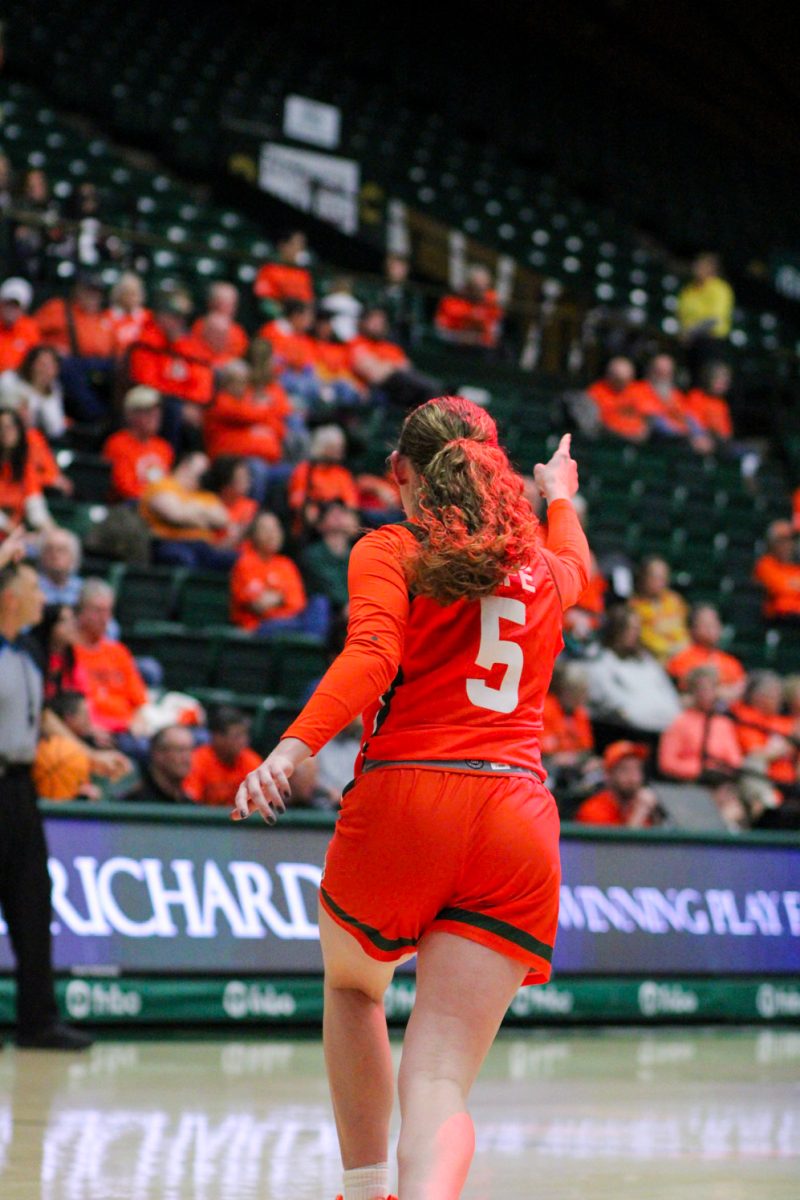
(493, 650)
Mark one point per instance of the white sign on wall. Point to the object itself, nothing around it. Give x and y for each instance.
(323, 184)
(310, 121)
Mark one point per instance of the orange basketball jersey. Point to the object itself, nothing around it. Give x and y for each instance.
(462, 681)
(473, 676)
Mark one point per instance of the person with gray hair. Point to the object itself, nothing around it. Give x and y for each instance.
(59, 566)
(114, 685)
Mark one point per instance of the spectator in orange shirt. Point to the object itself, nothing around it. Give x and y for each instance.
(248, 423)
(289, 335)
(168, 358)
(705, 631)
(138, 456)
(474, 317)
(127, 312)
(18, 332)
(114, 686)
(267, 593)
(21, 496)
(567, 741)
(778, 572)
(385, 367)
(34, 388)
(288, 278)
(229, 478)
(619, 406)
(223, 338)
(321, 478)
(626, 799)
(339, 385)
(186, 520)
(83, 334)
(701, 741)
(217, 769)
(764, 730)
(708, 405)
(662, 611)
(665, 404)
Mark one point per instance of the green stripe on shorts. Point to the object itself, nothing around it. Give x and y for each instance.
(499, 929)
(375, 936)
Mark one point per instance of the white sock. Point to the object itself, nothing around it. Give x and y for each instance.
(367, 1183)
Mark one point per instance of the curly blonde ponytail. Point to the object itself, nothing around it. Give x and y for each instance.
(475, 525)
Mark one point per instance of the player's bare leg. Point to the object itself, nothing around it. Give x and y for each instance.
(463, 991)
(356, 1040)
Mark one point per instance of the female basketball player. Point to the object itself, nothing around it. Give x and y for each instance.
(447, 842)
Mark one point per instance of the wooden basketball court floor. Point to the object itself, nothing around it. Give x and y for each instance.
(655, 1115)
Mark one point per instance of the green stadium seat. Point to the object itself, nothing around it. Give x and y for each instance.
(147, 593)
(243, 663)
(186, 655)
(299, 659)
(204, 599)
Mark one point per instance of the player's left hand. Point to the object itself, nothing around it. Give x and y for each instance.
(266, 789)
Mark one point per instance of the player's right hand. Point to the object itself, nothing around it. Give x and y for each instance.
(558, 478)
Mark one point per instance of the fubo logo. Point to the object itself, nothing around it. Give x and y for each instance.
(240, 1000)
(85, 1000)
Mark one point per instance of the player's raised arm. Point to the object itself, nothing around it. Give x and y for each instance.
(567, 549)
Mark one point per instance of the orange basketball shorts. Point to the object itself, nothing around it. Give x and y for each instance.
(418, 849)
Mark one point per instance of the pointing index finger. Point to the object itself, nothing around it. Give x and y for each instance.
(565, 443)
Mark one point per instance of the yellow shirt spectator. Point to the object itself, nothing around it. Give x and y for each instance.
(705, 305)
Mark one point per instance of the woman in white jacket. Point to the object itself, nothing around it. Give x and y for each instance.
(627, 685)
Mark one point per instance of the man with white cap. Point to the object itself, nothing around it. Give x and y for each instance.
(18, 332)
(138, 456)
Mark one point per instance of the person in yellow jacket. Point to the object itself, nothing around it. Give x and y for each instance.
(705, 312)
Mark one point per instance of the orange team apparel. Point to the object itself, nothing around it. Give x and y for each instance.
(180, 368)
(457, 314)
(14, 492)
(623, 413)
(161, 528)
(320, 483)
(16, 340)
(448, 824)
(115, 689)
(754, 729)
(565, 732)
(136, 463)
(290, 350)
(601, 809)
(128, 326)
(235, 345)
(281, 281)
(239, 425)
(696, 742)
(212, 781)
(670, 411)
(254, 574)
(711, 413)
(94, 332)
(781, 582)
(42, 459)
(729, 669)
(386, 352)
(241, 511)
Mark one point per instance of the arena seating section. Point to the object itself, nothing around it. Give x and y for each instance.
(155, 91)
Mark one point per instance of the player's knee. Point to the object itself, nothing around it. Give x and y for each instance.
(347, 985)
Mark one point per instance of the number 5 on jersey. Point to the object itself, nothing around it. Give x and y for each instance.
(493, 650)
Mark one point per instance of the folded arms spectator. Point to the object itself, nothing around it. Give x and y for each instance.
(267, 592)
(185, 518)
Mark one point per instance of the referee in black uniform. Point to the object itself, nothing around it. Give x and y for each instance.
(24, 878)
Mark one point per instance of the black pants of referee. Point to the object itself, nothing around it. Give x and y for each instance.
(25, 900)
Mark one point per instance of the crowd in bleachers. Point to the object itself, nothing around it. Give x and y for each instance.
(221, 452)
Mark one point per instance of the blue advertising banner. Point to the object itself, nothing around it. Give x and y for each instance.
(143, 894)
